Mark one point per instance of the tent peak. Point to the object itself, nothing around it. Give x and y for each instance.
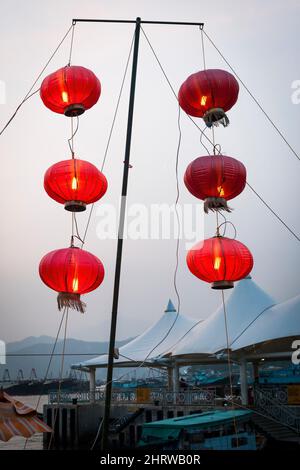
(170, 307)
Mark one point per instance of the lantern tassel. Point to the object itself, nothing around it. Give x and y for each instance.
(215, 116)
(69, 300)
(215, 204)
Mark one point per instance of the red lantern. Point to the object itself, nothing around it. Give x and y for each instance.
(209, 94)
(71, 272)
(220, 261)
(215, 179)
(70, 90)
(75, 183)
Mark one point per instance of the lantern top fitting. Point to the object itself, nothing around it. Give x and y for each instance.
(70, 90)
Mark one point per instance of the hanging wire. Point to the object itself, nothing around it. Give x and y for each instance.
(49, 354)
(109, 136)
(201, 141)
(273, 212)
(217, 149)
(77, 235)
(229, 361)
(29, 94)
(223, 297)
(203, 49)
(252, 96)
(66, 310)
(213, 138)
(180, 339)
(17, 109)
(177, 242)
(48, 367)
(251, 323)
(97, 435)
(73, 133)
(71, 140)
(71, 45)
(217, 221)
(152, 368)
(71, 147)
(176, 211)
(225, 223)
(72, 230)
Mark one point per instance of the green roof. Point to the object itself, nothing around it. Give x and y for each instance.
(202, 420)
(168, 430)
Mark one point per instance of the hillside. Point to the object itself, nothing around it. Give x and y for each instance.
(34, 352)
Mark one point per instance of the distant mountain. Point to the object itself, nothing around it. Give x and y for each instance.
(35, 352)
(27, 342)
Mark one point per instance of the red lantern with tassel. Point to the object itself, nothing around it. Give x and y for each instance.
(220, 261)
(71, 272)
(215, 179)
(75, 183)
(70, 90)
(209, 94)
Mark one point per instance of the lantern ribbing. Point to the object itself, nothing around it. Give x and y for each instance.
(75, 183)
(71, 272)
(209, 94)
(220, 261)
(70, 90)
(215, 179)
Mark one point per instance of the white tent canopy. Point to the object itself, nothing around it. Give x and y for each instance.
(246, 302)
(252, 318)
(278, 322)
(155, 341)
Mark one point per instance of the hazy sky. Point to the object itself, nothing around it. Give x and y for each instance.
(260, 39)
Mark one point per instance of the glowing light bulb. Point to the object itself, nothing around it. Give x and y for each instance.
(217, 262)
(74, 183)
(75, 284)
(65, 96)
(203, 100)
(220, 191)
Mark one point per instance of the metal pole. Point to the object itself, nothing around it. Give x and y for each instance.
(105, 429)
(170, 23)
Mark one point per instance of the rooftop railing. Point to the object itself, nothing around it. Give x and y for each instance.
(139, 396)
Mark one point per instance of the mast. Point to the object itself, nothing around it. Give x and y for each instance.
(114, 314)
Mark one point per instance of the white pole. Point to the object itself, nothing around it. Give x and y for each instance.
(175, 381)
(243, 381)
(92, 373)
(170, 379)
(255, 371)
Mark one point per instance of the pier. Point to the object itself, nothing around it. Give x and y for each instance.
(76, 417)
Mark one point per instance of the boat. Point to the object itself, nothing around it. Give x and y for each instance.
(211, 430)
